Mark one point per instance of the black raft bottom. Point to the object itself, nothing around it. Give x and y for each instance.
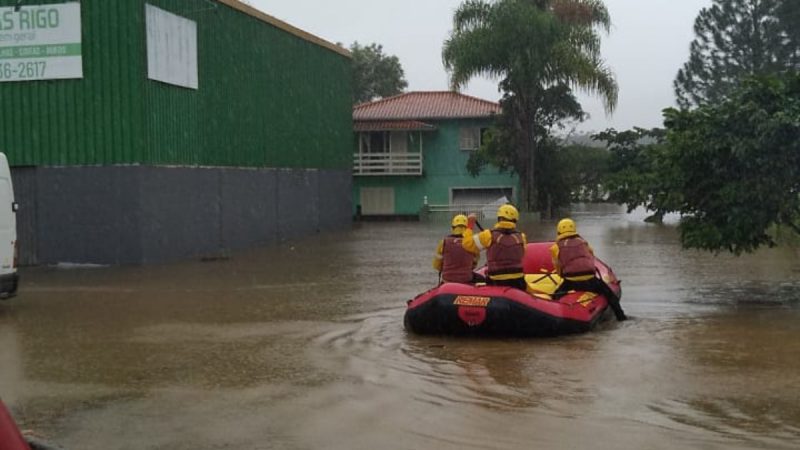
(439, 316)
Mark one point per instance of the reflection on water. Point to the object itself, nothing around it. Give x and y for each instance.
(302, 347)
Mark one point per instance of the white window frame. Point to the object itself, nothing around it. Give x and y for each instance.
(469, 139)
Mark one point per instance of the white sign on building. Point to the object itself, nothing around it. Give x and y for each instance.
(40, 42)
(171, 48)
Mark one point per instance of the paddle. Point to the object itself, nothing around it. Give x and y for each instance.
(473, 221)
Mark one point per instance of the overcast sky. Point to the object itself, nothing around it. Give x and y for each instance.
(649, 42)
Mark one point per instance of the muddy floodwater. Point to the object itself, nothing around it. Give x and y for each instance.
(302, 347)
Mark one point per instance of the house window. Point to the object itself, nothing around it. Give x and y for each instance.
(383, 142)
(363, 142)
(377, 142)
(471, 138)
(399, 142)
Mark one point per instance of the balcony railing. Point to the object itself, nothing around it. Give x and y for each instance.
(375, 164)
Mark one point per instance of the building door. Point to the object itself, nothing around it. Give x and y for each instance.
(480, 196)
(377, 201)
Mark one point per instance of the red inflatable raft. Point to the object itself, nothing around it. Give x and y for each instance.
(462, 309)
(10, 437)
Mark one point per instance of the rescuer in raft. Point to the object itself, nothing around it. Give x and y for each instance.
(573, 259)
(505, 248)
(454, 263)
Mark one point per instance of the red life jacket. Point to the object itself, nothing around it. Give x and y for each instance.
(575, 258)
(505, 254)
(457, 263)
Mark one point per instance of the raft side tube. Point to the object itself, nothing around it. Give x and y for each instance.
(442, 314)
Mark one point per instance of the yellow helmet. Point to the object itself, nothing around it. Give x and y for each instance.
(566, 228)
(459, 221)
(508, 212)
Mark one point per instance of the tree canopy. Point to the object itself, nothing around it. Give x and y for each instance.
(541, 51)
(375, 75)
(736, 39)
(582, 170)
(740, 165)
(789, 17)
(731, 169)
(639, 171)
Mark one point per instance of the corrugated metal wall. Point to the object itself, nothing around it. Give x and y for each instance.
(94, 120)
(267, 98)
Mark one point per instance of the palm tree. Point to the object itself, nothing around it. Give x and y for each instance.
(541, 51)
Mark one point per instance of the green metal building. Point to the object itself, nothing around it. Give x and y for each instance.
(177, 128)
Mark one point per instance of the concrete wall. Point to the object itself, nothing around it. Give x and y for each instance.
(140, 215)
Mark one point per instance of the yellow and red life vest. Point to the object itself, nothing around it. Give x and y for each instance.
(504, 256)
(575, 258)
(457, 263)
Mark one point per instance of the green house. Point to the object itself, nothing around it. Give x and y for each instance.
(411, 152)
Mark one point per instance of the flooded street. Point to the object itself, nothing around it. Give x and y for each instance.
(302, 347)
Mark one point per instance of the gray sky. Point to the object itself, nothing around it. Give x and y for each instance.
(649, 42)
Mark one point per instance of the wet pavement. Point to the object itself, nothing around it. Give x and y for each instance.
(302, 347)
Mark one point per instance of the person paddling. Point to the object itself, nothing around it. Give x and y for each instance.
(574, 261)
(454, 263)
(505, 248)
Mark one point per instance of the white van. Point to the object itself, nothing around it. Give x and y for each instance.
(8, 233)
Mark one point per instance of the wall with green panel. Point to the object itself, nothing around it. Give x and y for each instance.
(94, 120)
(266, 98)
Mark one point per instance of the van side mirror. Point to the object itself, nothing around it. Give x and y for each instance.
(14, 206)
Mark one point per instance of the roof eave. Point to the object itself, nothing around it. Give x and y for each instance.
(376, 119)
(291, 29)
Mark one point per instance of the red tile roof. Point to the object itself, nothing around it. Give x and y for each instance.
(426, 105)
(387, 125)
